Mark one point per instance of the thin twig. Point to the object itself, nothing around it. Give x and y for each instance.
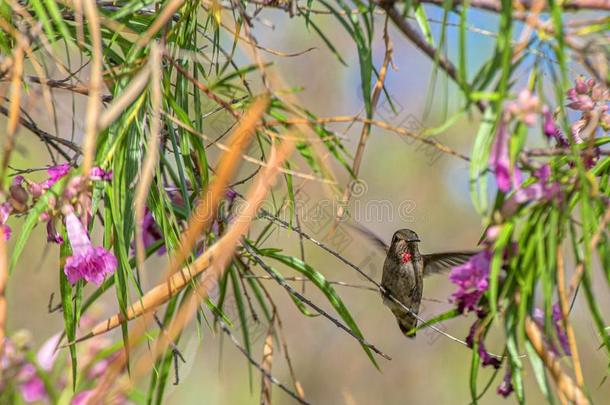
(595, 239)
(565, 314)
(366, 127)
(95, 85)
(261, 369)
(46, 137)
(315, 307)
(380, 288)
(381, 124)
(3, 281)
(406, 28)
(339, 283)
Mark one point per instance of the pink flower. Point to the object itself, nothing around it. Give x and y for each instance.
(31, 387)
(87, 262)
(562, 337)
(52, 234)
(82, 398)
(499, 160)
(151, 233)
(506, 386)
(559, 330)
(541, 190)
(551, 130)
(97, 173)
(5, 211)
(525, 107)
(56, 173)
(36, 189)
(47, 354)
(487, 358)
(586, 95)
(472, 279)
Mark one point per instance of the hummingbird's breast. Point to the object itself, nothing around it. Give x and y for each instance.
(403, 276)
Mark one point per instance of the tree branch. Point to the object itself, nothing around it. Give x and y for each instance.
(406, 28)
(496, 5)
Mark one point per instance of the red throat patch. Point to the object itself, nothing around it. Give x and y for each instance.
(405, 258)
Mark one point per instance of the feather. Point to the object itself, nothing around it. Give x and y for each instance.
(370, 235)
(440, 262)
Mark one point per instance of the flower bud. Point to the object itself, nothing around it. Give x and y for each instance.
(580, 86)
(36, 189)
(19, 194)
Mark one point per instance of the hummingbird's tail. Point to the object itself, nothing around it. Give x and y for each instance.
(407, 325)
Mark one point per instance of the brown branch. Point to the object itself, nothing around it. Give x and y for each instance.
(177, 279)
(266, 365)
(565, 313)
(216, 258)
(496, 5)
(580, 269)
(410, 32)
(3, 281)
(381, 124)
(310, 303)
(564, 383)
(64, 85)
(366, 127)
(46, 137)
(211, 95)
(266, 375)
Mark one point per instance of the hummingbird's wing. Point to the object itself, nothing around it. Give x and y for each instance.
(371, 236)
(440, 262)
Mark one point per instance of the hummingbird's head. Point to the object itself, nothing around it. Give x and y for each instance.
(405, 235)
(404, 245)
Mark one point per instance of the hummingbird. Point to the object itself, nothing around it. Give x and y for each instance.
(404, 270)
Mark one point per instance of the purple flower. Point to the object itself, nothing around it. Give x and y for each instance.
(506, 386)
(87, 262)
(151, 232)
(551, 130)
(561, 333)
(487, 358)
(18, 180)
(82, 397)
(47, 354)
(31, 387)
(582, 103)
(36, 189)
(472, 279)
(52, 234)
(56, 173)
(499, 160)
(557, 319)
(586, 95)
(541, 190)
(6, 231)
(525, 107)
(97, 173)
(230, 194)
(580, 86)
(5, 211)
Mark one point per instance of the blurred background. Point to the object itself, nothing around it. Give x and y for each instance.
(404, 184)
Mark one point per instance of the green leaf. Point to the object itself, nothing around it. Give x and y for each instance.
(32, 220)
(70, 321)
(326, 288)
